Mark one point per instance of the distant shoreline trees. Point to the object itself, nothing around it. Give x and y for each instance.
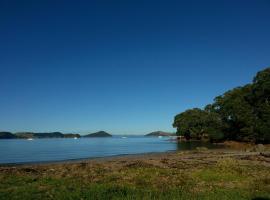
(240, 114)
(27, 135)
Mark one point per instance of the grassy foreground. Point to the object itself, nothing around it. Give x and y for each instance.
(184, 175)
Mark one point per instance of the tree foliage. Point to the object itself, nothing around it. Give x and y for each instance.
(242, 114)
(197, 123)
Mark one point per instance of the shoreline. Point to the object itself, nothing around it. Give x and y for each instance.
(78, 160)
(228, 146)
(223, 152)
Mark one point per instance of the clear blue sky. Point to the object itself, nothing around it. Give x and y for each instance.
(123, 66)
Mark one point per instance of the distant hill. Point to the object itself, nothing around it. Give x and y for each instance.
(26, 135)
(99, 134)
(160, 133)
(49, 135)
(7, 135)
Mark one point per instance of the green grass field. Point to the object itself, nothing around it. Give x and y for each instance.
(226, 179)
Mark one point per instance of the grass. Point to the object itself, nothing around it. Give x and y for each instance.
(226, 179)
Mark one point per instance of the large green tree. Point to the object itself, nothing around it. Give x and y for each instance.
(261, 103)
(197, 123)
(237, 113)
(242, 114)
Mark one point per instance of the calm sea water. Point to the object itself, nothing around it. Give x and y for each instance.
(44, 150)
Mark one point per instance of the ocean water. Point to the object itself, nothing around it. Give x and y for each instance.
(46, 150)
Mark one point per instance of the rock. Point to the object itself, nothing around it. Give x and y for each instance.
(201, 148)
(260, 147)
(265, 154)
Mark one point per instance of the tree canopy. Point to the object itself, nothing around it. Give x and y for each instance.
(241, 114)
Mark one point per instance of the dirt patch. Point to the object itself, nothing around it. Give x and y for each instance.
(139, 163)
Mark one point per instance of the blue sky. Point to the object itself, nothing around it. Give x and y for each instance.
(126, 67)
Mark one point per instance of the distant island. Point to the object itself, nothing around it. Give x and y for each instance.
(160, 133)
(27, 135)
(32, 135)
(7, 135)
(99, 134)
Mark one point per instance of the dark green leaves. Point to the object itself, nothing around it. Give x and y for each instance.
(242, 114)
